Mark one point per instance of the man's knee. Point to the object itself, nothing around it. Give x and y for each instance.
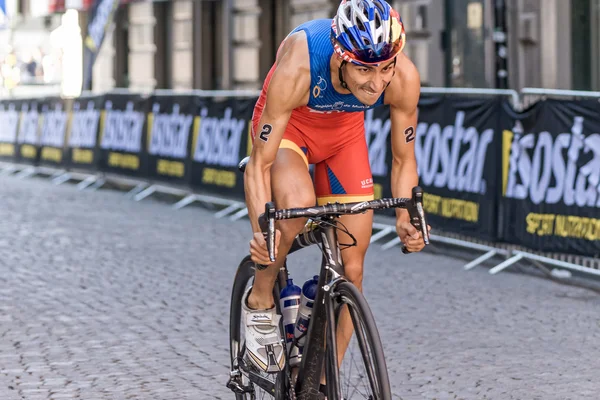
(291, 227)
(354, 273)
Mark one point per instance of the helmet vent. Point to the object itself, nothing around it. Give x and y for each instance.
(354, 42)
(360, 25)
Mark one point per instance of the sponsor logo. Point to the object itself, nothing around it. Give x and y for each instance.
(169, 132)
(54, 126)
(453, 156)
(219, 139)
(366, 183)
(319, 87)
(122, 129)
(29, 124)
(551, 169)
(84, 126)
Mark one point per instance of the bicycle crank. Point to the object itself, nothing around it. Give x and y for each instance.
(235, 384)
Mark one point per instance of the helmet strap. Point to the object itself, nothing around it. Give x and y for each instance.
(388, 84)
(341, 75)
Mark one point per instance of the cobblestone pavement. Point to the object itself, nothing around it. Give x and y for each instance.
(105, 298)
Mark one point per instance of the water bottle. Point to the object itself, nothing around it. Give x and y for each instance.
(309, 291)
(289, 301)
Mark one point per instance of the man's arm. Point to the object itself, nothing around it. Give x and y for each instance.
(403, 103)
(287, 90)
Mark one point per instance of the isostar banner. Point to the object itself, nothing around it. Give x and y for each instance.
(122, 141)
(29, 131)
(101, 15)
(53, 121)
(220, 141)
(457, 147)
(84, 121)
(551, 177)
(169, 130)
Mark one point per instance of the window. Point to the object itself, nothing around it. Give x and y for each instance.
(595, 43)
(581, 60)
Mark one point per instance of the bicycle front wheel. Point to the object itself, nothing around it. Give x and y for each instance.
(362, 372)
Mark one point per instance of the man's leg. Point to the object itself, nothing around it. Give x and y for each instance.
(292, 186)
(346, 177)
(360, 226)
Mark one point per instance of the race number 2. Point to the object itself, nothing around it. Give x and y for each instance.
(265, 132)
(409, 134)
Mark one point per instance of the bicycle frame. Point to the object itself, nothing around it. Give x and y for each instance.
(331, 273)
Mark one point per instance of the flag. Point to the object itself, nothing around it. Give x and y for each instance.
(3, 15)
(100, 17)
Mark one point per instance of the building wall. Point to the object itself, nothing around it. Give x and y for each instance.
(198, 55)
(182, 75)
(142, 46)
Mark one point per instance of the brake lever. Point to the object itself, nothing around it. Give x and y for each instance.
(417, 215)
(266, 221)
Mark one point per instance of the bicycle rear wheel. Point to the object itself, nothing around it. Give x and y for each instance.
(255, 384)
(363, 371)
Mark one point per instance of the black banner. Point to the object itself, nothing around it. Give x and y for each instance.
(122, 141)
(530, 178)
(9, 123)
(100, 17)
(82, 150)
(169, 128)
(457, 149)
(551, 177)
(53, 121)
(220, 141)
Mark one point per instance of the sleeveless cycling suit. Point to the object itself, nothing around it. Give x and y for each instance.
(328, 132)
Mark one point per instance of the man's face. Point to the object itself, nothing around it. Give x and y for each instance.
(367, 83)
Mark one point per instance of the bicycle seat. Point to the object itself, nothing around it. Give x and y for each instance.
(242, 164)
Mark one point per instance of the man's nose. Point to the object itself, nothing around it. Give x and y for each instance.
(377, 87)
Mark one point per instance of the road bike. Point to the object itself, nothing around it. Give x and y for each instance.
(334, 291)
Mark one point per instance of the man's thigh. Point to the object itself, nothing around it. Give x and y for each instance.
(291, 183)
(345, 176)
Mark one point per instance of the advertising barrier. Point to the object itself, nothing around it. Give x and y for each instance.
(220, 141)
(550, 197)
(121, 141)
(82, 152)
(52, 121)
(530, 178)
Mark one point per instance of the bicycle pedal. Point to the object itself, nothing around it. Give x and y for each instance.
(235, 385)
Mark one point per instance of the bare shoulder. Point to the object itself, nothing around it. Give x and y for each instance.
(291, 79)
(405, 89)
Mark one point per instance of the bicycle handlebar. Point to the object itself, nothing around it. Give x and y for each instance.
(413, 205)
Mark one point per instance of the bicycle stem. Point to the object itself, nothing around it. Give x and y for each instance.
(266, 222)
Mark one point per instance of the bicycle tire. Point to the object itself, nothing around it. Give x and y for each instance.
(360, 312)
(244, 273)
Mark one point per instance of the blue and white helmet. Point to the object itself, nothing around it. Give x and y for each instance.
(367, 32)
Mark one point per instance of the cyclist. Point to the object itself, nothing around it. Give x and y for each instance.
(311, 111)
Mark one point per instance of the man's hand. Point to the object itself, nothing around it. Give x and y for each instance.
(410, 236)
(258, 248)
